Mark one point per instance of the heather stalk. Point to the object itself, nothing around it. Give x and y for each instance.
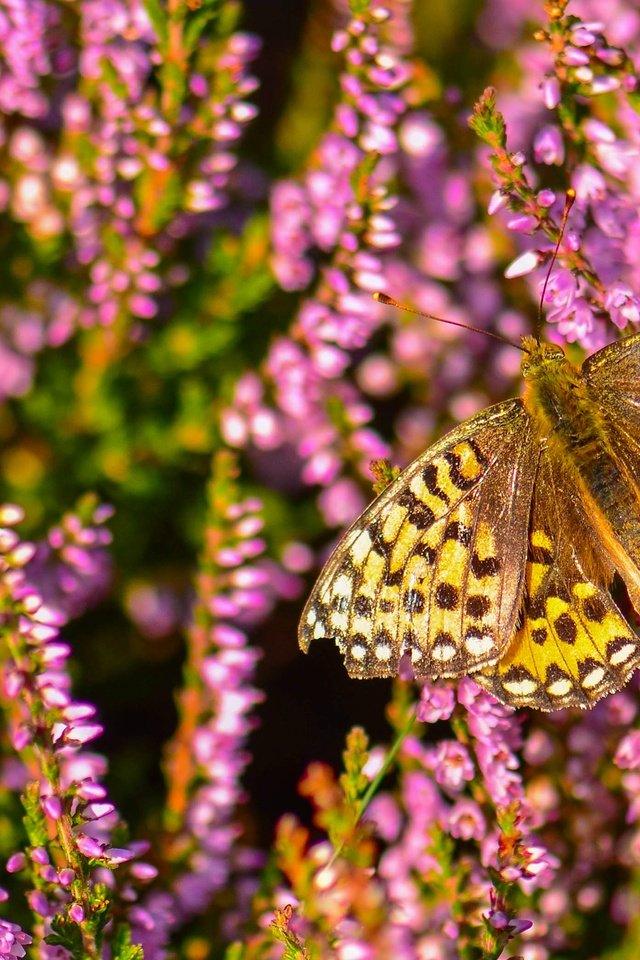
(207, 755)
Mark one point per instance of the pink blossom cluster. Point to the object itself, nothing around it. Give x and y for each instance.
(340, 214)
(49, 732)
(596, 275)
(122, 143)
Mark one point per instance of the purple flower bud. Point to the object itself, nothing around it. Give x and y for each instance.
(53, 697)
(623, 305)
(597, 131)
(21, 737)
(548, 145)
(83, 733)
(94, 811)
(66, 876)
(588, 183)
(466, 821)
(522, 265)
(610, 55)
(88, 846)
(143, 871)
(39, 903)
(605, 84)
(497, 202)
(575, 57)
(551, 92)
(88, 790)
(118, 855)
(16, 863)
(522, 223)
(583, 74)
(581, 36)
(76, 913)
(52, 807)
(546, 198)
(78, 711)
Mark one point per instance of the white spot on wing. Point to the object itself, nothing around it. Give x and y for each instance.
(339, 620)
(443, 651)
(520, 688)
(361, 547)
(383, 651)
(342, 586)
(622, 655)
(560, 688)
(479, 643)
(594, 678)
(358, 652)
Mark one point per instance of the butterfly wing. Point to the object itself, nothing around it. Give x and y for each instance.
(435, 566)
(612, 379)
(612, 376)
(573, 645)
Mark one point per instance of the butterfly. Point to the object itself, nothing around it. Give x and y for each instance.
(494, 553)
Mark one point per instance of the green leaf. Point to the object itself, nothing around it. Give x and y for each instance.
(197, 22)
(488, 122)
(158, 17)
(122, 947)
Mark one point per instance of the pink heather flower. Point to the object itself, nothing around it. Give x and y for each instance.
(76, 913)
(16, 863)
(453, 765)
(465, 820)
(623, 305)
(52, 807)
(436, 703)
(561, 291)
(522, 264)
(383, 811)
(551, 92)
(588, 183)
(627, 756)
(501, 921)
(12, 939)
(548, 146)
(522, 223)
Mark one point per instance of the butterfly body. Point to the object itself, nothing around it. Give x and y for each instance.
(493, 553)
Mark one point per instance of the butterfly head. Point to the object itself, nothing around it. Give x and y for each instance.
(541, 359)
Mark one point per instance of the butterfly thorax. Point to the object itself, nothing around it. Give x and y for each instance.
(556, 397)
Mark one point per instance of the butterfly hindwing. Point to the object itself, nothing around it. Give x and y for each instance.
(573, 645)
(435, 566)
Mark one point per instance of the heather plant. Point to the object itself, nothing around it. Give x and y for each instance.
(199, 392)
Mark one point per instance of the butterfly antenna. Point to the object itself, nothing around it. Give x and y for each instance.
(568, 203)
(384, 298)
